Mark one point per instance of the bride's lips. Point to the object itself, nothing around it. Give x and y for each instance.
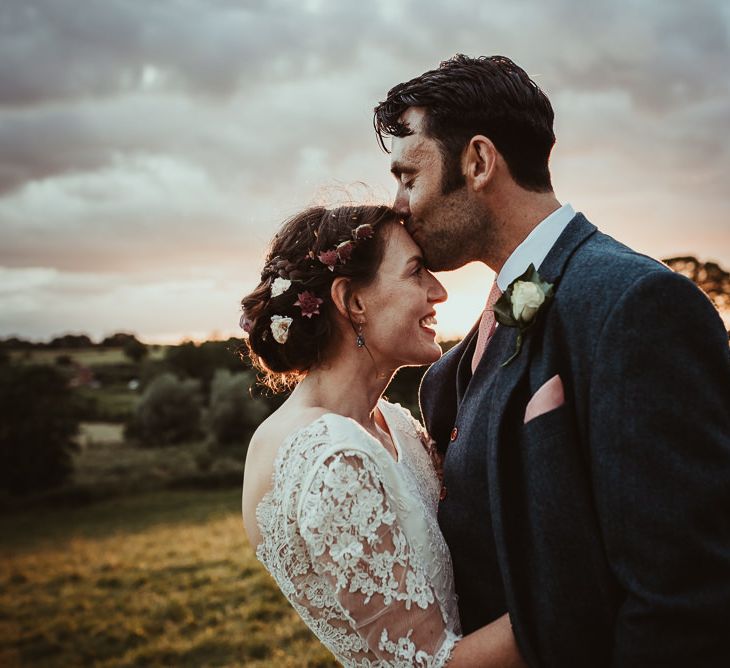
(427, 322)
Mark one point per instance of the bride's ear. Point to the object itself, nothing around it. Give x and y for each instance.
(346, 300)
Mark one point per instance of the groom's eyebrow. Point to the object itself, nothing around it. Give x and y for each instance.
(398, 168)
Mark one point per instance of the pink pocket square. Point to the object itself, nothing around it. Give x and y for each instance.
(549, 397)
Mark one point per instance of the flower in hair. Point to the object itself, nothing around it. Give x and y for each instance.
(309, 303)
(344, 250)
(328, 258)
(280, 327)
(279, 286)
(245, 323)
(364, 231)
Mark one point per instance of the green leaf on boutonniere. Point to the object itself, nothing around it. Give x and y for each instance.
(520, 304)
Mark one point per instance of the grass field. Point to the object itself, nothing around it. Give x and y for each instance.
(162, 579)
(85, 356)
(106, 464)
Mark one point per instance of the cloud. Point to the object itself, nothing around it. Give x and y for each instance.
(145, 141)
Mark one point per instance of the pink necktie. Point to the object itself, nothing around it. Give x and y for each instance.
(486, 325)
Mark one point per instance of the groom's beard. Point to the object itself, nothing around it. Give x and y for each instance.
(464, 233)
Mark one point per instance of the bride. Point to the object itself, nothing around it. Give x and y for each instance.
(340, 492)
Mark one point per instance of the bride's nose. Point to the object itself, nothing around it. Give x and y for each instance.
(437, 292)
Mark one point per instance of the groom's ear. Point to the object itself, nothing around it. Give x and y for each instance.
(346, 300)
(480, 160)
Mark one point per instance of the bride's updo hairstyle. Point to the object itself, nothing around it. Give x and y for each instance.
(289, 317)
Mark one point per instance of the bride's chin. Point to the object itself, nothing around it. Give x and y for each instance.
(433, 355)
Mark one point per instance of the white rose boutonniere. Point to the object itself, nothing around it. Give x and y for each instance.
(521, 302)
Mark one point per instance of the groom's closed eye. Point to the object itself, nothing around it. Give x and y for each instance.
(399, 170)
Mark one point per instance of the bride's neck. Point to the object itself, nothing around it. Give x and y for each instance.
(348, 385)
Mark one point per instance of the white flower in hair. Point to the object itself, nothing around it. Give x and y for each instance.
(279, 286)
(280, 327)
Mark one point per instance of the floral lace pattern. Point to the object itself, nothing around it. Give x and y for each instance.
(351, 538)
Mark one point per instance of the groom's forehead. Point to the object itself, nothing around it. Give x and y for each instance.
(407, 151)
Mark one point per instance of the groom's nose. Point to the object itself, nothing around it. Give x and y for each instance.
(400, 205)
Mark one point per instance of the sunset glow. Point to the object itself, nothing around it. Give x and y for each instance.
(140, 181)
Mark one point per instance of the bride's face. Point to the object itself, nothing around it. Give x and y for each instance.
(399, 305)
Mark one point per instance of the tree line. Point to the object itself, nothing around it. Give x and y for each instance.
(195, 391)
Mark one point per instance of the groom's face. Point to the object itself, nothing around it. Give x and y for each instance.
(443, 225)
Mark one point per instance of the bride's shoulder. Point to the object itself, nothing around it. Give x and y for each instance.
(281, 425)
(283, 433)
(301, 431)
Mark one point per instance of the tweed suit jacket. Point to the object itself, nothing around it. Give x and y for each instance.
(603, 526)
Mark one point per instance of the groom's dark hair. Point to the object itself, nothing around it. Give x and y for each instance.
(467, 96)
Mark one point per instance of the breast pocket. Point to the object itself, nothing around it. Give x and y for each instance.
(548, 425)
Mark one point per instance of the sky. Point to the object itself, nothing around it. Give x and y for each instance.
(150, 150)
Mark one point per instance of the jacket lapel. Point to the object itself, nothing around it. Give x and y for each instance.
(505, 338)
(463, 371)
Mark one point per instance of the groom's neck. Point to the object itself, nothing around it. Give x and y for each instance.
(515, 214)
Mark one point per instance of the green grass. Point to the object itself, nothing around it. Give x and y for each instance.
(102, 433)
(163, 579)
(113, 403)
(106, 464)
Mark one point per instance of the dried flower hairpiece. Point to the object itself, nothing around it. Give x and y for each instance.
(364, 231)
(245, 323)
(342, 253)
(280, 327)
(309, 303)
(328, 258)
(279, 286)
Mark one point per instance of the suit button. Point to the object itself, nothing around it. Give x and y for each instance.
(442, 493)
(454, 433)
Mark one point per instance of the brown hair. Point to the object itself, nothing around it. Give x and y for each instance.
(304, 252)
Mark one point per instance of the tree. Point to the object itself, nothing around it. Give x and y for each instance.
(118, 340)
(38, 423)
(135, 350)
(709, 277)
(201, 361)
(234, 414)
(71, 341)
(168, 412)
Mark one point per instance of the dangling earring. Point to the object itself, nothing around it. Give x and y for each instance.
(360, 339)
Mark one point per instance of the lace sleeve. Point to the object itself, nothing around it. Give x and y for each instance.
(355, 543)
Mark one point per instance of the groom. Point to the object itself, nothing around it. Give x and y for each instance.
(586, 433)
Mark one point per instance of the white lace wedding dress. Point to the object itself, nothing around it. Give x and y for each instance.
(351, 538)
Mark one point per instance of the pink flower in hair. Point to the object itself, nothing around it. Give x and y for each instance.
(309, 303)
(344, 251)
(328, 258)
(245, 324)
(363, 231)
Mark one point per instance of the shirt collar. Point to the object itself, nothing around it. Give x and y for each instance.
(535, 246)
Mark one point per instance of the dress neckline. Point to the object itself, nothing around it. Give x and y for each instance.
(383, 412)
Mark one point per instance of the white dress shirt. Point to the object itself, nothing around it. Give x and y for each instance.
(536, 246)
